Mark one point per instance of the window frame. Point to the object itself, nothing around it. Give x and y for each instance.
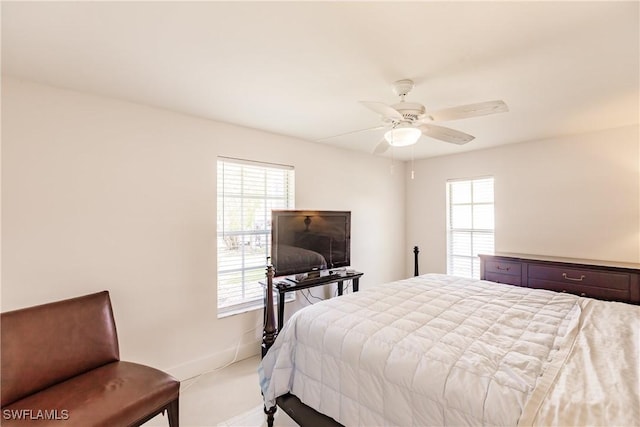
(269, 200)
(472, 231)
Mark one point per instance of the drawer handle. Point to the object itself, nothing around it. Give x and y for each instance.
(575, 279)
(502, 268)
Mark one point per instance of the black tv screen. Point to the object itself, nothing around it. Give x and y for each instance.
(303, 241)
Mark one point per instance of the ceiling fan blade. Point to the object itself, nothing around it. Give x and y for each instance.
(383, 109)
(470, 110)
(349, 133)
(445, 134)
(382, 147)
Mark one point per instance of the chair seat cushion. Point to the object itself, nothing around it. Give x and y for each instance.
(116, 394)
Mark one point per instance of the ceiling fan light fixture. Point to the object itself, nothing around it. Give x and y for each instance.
(402, 136)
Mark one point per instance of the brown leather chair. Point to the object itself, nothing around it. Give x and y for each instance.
(60, 362)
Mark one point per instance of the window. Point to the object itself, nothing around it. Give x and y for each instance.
(247, 192)
(470, 225)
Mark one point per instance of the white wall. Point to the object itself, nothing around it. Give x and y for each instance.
(577, 197)
(103, 194)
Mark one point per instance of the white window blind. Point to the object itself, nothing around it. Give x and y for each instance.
(247, 192)
(470, 225)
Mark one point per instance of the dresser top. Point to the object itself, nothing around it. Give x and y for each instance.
(579, 261)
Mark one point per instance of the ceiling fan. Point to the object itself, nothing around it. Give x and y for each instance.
(408, 121)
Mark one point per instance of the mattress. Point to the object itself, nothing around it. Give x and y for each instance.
(444, 350)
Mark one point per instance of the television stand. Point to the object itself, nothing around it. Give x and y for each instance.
(284, 285)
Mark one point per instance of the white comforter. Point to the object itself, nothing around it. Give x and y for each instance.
(441, 350)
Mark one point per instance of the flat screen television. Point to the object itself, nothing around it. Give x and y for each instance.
(303, 241)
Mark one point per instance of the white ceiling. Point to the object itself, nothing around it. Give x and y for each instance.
(300, 68)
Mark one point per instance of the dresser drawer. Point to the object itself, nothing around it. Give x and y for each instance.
(503, 267)
(503, 278)
(582, 290)
(579, 277)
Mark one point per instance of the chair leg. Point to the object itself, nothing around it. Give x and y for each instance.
(173, 413)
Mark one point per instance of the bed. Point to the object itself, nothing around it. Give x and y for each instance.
(444, 350)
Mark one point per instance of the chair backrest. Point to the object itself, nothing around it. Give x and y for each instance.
(46, 344)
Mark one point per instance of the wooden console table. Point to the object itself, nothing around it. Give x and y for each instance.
(283, 285)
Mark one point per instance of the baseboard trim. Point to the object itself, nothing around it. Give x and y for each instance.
(215, 361)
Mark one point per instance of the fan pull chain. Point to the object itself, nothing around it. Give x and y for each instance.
(413, 172)
(392, 166)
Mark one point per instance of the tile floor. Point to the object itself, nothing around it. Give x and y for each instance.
(229, 397)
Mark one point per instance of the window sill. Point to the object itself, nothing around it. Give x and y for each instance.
(253, 307)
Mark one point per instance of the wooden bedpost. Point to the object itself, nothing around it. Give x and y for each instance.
(415, 260)
(269, 332)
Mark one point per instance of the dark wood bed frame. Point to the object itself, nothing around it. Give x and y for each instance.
(588, 278)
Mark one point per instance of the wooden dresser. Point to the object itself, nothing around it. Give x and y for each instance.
(595, 279)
